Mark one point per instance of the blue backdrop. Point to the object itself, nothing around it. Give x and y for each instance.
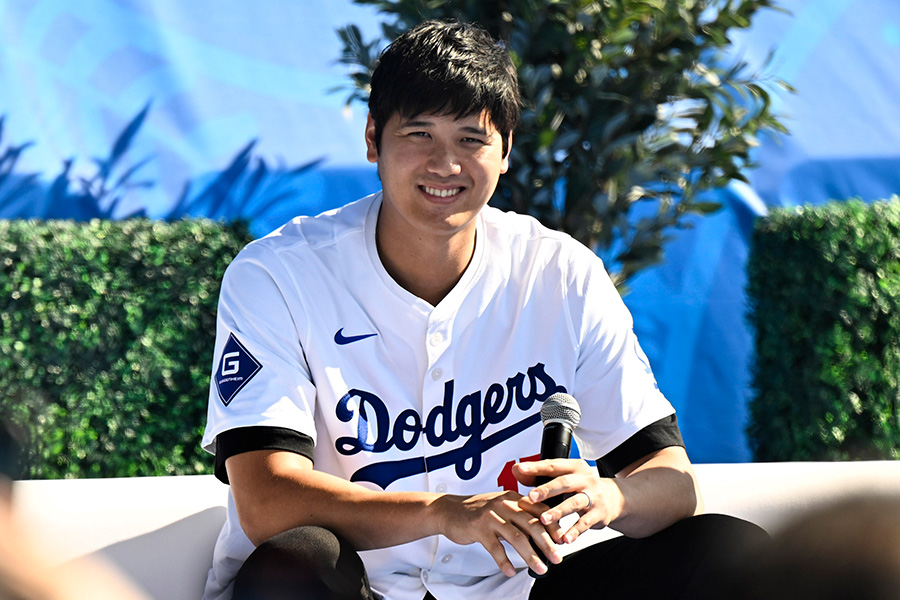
(220, 74)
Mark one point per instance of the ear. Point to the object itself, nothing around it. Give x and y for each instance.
(371, 148)
(504, 166)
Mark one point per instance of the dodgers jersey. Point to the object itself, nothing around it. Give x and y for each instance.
(314, 336)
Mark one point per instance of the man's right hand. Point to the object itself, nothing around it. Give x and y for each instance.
(489, 519)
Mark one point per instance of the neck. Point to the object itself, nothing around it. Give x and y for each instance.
(425, 267)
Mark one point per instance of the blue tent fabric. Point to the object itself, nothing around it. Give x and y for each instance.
(690, 317)
(219, 74)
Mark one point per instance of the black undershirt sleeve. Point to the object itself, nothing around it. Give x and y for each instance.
(247, 439)
(653, 437)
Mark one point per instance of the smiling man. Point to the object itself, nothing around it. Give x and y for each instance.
(437, 171)
(380, 368)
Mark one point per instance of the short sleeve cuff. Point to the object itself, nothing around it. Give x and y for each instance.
(247, 439)
(656, 436)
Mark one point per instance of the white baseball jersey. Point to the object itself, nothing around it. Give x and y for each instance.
(315, 336)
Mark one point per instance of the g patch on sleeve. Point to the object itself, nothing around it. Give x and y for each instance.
(236, 368)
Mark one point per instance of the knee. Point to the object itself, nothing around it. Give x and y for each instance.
(727, 529)
(313, 559)
(718, 547)
(317, 546)
(722, 537)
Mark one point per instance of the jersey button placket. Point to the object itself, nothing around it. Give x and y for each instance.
(436, 339)
(436, 344)
(436, 347)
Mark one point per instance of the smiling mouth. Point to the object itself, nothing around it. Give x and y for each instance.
(441, 193)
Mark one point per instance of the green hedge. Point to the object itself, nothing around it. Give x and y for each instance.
(824, 289)
(106, 336)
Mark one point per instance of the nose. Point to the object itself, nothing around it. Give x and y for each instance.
(442, 160)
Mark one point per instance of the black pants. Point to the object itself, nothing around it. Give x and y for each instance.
(688, 561)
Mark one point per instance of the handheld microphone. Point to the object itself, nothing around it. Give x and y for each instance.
(560, 415)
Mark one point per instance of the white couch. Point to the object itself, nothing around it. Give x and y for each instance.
(160, 531)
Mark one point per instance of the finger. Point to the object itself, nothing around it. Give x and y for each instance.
(550, 467)
(535, 510)
(556, 533)
(574, 531)
(590, 517)
(525, 546)
(524, 473)
(498, 553)
(579, 503)
(546, 542)
(552, 489)
(542, 548)
(584, 523)
(529, 473)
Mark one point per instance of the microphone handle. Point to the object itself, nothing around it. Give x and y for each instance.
(555, 443)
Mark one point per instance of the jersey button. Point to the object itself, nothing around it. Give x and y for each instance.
(441, 488)
(436, 374)
(446, 558)
(436, 338)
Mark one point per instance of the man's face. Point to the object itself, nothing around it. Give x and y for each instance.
(437, 172)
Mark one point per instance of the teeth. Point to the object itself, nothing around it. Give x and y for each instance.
(441, 193)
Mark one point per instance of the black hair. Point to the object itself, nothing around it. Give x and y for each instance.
(446, 68)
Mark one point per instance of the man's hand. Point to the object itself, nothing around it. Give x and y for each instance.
(487, 519)
(647, 496)
(597, 501)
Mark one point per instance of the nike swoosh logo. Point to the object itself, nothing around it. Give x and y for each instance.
(342, 340)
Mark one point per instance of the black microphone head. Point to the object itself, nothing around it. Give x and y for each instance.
(561, 408)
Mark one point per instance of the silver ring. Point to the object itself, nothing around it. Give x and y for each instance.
(590, 500)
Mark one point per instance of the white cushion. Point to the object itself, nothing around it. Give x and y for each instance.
(160, 531)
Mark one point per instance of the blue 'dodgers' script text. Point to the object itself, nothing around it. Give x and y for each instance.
(447, 422)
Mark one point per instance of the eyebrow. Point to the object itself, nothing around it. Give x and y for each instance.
(477, 130)
(426, 123)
